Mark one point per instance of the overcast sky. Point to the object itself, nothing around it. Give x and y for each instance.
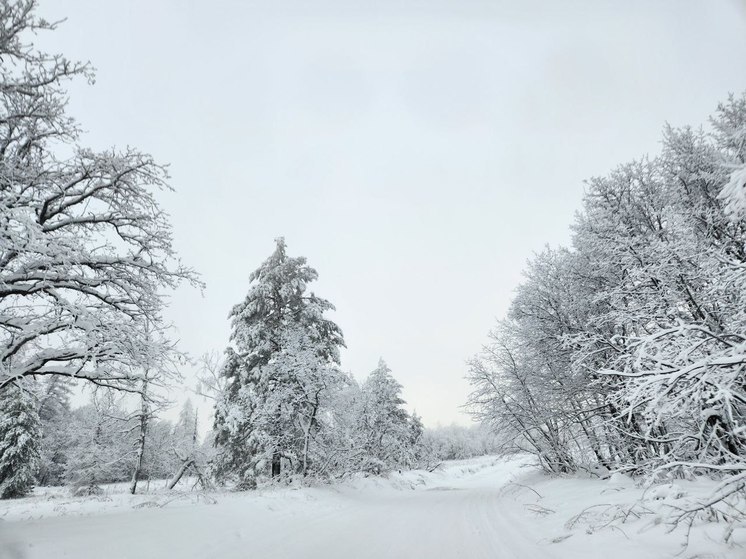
(416, 152)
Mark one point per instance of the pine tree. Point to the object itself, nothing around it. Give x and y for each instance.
(384, 421)
(183, 439)
(20, 434)
(185, 429)
(415, 442)
(54, 412)
(54, 397)
(284, 356)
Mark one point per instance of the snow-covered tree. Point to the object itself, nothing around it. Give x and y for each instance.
(384, 423)
(627, 351)
(158, 369)
(185, 449)
(142, 419)
(185, 435)
(20, 436)
(730, 133)
(513, 391)
(54, 411)
(340, 444)
(101, 450)
(456, 442)
(158, 460)
(415, 440)
(282, 362)
(85, 249)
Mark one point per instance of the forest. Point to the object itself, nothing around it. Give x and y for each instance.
(623, 353)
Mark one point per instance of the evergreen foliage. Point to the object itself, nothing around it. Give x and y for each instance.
(384, 424)
(54, 412)
(20, 436)
(283, 361)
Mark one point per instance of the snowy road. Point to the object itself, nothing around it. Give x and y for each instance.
(447, 523)
(467, 510)
(461, 519)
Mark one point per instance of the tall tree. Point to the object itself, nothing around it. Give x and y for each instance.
(185, 429)
(85, 249)
(284, 356)
(385, 424)
(20, 436)
(158, 369)
(54, 411)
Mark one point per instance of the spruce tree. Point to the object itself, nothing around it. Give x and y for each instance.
(54, 412)
(384, 421)
(283, 356)
(185, 429)
(20, 435)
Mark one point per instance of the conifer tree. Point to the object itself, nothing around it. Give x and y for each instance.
(20, 435)
(384, 421)
(284, 354)
(185, 429)
(54, 412)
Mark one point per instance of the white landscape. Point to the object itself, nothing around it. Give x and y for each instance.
(174, 381)
(488, 507)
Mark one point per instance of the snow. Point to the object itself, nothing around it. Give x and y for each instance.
(489, 507)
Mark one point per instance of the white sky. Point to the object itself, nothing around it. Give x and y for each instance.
(417, 152)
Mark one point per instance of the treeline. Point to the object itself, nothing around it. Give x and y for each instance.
(627, 350)
(284, 410)
(48, 442)
(457, 442)
(91, 445)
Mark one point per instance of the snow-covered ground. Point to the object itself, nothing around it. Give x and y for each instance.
(483, 508)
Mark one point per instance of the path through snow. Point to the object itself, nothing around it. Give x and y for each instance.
(469, 510)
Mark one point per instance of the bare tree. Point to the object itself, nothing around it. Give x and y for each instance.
(85, 249)
(159, 368)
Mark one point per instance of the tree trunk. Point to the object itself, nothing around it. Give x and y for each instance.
(276, 464)
(177, 476)
(144, 414)
(307, 440)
